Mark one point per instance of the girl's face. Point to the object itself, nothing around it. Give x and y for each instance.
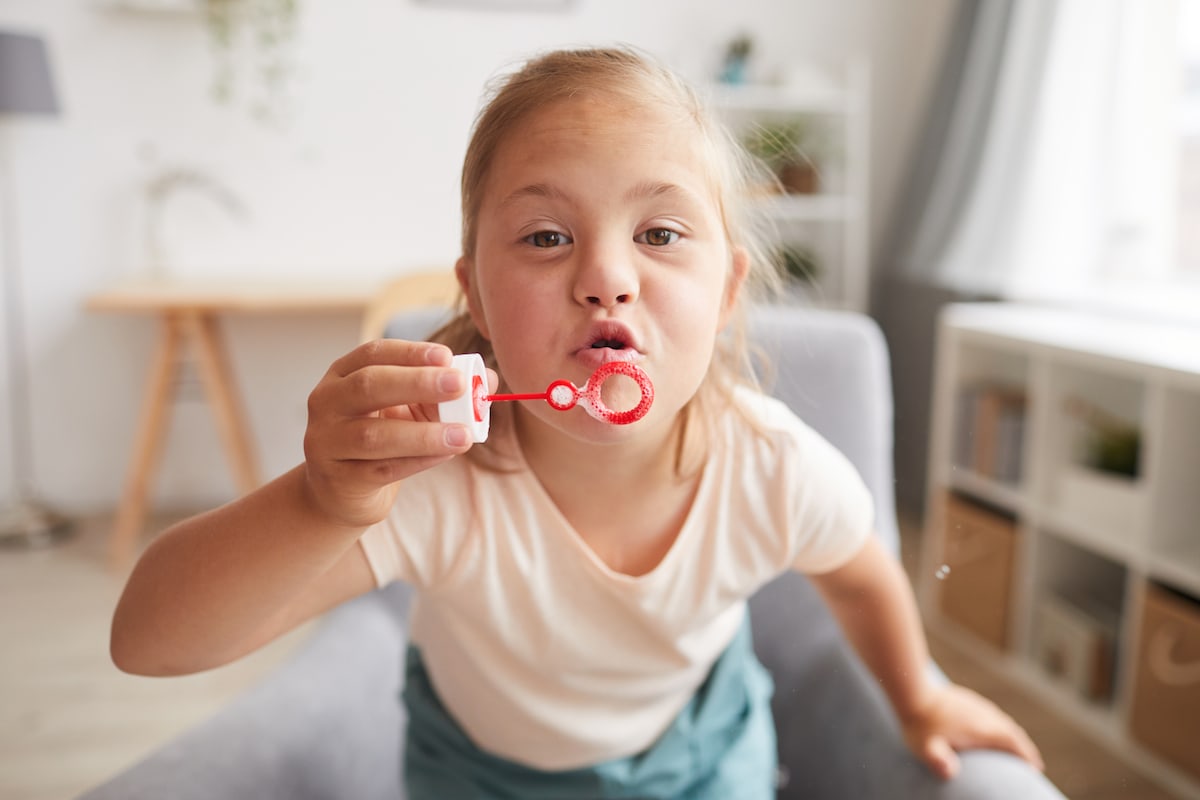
(599, 238)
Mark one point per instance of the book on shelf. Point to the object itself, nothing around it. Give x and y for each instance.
(990, 431)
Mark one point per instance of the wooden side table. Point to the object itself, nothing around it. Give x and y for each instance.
(189, 317)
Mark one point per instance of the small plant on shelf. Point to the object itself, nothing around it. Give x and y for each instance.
(737, 59)
(799, 263)
(1111, 444)
(791, 150)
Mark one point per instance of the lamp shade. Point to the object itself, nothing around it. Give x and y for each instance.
(26, 85)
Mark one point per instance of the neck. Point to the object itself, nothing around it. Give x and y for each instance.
(568, 466)
(626, 501)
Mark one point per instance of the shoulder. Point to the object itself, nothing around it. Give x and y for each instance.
(809, 491)
(759, 416)
(766, 427)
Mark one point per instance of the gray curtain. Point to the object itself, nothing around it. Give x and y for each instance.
(951, 142)
(963, 129)
(941, 182)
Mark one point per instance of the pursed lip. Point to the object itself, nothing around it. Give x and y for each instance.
(608, 331)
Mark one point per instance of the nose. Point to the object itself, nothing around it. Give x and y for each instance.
(606, 278)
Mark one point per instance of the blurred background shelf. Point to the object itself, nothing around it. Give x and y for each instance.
(1093, 515)
(814, 133)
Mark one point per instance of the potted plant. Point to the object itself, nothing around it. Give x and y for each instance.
(1110, 444)
(792, 150)
(799, 263)
(737, 59)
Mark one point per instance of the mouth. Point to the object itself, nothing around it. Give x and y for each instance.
(609, 341)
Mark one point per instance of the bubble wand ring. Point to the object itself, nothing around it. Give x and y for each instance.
(474, 408)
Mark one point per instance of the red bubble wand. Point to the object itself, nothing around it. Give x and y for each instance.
(562, 395)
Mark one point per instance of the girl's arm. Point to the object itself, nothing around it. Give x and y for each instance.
(873, 601)
(221, 584)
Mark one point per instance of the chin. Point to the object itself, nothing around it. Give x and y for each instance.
(581, 427)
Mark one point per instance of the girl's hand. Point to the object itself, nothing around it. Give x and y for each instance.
(373, 420)
(956, 718)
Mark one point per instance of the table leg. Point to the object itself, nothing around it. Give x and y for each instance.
(217, 375)
(148, 444)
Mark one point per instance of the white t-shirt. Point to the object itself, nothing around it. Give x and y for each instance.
(547, 657)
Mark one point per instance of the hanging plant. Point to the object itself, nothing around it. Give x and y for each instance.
(259, 34)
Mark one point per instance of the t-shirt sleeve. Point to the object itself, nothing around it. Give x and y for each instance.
(825, 509)
(833, 509)
(424, 533)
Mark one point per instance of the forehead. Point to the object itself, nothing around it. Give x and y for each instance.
(591, 130)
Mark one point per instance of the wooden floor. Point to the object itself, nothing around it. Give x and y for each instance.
(69, 719)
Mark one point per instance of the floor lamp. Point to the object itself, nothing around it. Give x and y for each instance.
(26, 87)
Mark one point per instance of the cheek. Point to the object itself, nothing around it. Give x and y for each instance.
(696, 331)
(519, 342)
(695, 309)
(493, 299)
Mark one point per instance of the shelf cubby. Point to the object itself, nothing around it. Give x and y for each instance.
(989, 430)
(1089, 409)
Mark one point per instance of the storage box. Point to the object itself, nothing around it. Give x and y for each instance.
(1165, 712)
(976, 577)
(1076, 643)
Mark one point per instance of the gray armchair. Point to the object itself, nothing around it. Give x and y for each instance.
(328, 724)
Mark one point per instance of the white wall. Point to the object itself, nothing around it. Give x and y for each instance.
(362, 182)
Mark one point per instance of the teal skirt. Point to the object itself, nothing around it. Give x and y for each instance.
(720, 747)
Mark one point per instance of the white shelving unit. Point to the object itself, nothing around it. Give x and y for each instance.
(1091, 538)
(832, 222)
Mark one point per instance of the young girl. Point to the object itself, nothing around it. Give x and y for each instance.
(580, 624)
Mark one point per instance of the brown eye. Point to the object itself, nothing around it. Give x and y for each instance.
(548, 239)
(659, 237)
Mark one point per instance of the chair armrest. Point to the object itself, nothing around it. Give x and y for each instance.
(838, 737)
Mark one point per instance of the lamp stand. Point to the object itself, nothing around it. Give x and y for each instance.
(25, 525)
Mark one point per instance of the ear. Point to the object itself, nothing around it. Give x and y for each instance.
(739, 269)
(464, 272)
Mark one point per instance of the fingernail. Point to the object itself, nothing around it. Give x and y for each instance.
(436, 354)
(456, 436)
(451, 381)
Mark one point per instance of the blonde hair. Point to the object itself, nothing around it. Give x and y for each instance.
(631, 77)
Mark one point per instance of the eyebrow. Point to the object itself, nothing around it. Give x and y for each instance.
(642, 190)
(535, 190)
(657, 189)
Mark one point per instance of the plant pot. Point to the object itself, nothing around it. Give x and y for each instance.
(800, 178)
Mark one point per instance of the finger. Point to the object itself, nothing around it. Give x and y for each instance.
(1012, 738)
(940, 757)
(381, 439)
(397, 352)
(376, 387)
(1030, 752)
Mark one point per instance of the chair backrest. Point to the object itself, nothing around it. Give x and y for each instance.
(830, 367)
(417, 290)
